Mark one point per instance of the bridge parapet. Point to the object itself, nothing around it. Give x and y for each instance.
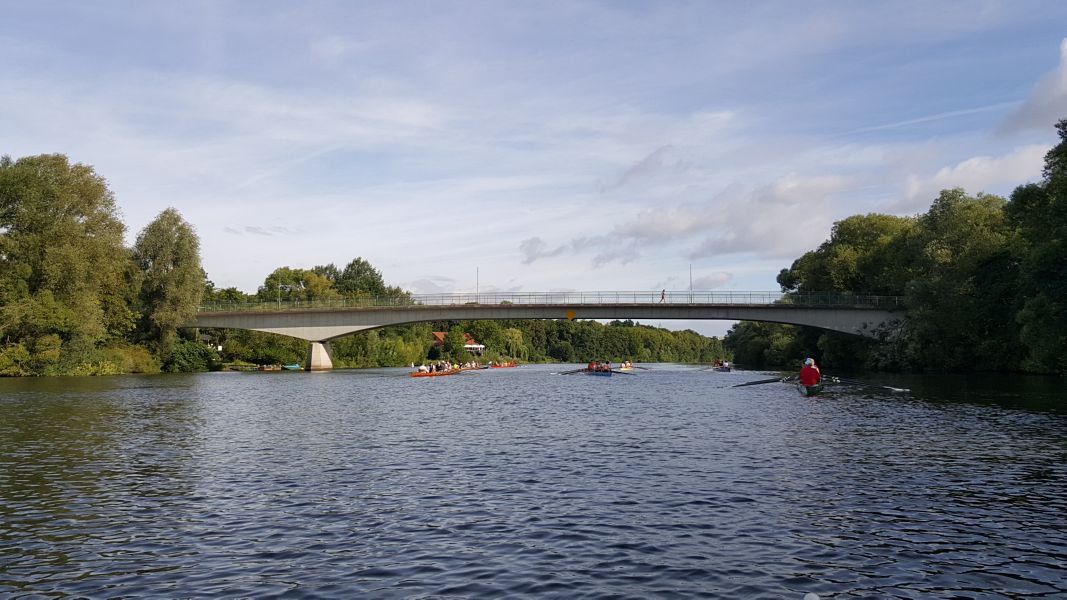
(691, 298)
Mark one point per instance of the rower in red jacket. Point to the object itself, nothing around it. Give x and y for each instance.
(810, 374)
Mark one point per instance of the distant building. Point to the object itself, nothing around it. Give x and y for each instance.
(468, 342)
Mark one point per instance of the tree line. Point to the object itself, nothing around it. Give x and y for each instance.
(74, 300)
(983, 278)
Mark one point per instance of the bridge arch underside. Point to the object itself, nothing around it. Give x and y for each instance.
(324, 324)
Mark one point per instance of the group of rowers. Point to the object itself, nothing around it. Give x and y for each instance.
(596, 365)
(441, 366)
(444, 365)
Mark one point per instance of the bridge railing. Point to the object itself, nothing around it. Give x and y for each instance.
(813, 299)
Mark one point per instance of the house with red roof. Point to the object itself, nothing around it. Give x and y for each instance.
(469, 342)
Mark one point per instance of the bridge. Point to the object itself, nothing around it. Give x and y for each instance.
(318, 322)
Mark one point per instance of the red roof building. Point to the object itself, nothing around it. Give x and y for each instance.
(468, 342)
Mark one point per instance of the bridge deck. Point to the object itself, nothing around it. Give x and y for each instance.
(603, 299)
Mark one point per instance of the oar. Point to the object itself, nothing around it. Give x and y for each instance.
(642, 368)
(759, 382)
(867, 384)
(573, 372)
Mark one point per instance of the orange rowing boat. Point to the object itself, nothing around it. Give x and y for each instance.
(435, 373)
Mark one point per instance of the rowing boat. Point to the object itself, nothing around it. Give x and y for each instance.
(809, 390)
(435, 373)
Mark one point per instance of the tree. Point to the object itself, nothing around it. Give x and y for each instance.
(329, 271)
(455, 345)
(1038, 213)
(62, 262)
(861, 256)
(956, 320)
(296, 285)
(230, 295)
(167, 252)
(360, 278)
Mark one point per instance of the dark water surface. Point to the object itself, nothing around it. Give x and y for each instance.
(525, 483)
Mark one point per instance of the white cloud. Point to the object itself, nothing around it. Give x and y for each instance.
(783, 219)
(712, 281)
(1046, 105)
(990, 174)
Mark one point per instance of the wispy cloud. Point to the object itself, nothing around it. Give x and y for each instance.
(272, 231)
(535, 248)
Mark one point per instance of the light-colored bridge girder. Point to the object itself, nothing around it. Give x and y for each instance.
(318, 325)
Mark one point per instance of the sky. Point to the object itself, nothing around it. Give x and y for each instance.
(522, 146)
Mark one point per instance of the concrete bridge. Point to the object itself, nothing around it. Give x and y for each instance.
(321, 321)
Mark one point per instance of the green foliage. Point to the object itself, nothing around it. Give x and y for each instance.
(758, 345)
(1038, 213)
(15, 360)
(63, 269)
(454, 347)
(131, 359)
(230, 295)
(863, 254)
(288, 285)
(957, 266)
(187, 356)
(60, 248)
(167, 253)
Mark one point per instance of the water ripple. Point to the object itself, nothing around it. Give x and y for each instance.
(522, 484)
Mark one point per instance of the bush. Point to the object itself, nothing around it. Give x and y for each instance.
(132, 359)
(187, 356)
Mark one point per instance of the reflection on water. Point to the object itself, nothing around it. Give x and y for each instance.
(523, 482)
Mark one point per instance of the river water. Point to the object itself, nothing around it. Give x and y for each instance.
(523, 482)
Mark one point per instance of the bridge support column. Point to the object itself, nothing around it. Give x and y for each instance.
(318, 357)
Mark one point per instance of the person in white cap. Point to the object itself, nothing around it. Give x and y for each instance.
(810, 374)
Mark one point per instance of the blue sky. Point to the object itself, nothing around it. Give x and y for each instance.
(533, 146)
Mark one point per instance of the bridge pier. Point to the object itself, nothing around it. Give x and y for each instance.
(318, 357)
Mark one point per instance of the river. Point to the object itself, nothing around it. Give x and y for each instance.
(666, 483)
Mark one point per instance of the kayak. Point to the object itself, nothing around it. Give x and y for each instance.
(809, 390)
(604, 373)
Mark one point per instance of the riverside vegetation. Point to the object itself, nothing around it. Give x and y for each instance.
(984, 281)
